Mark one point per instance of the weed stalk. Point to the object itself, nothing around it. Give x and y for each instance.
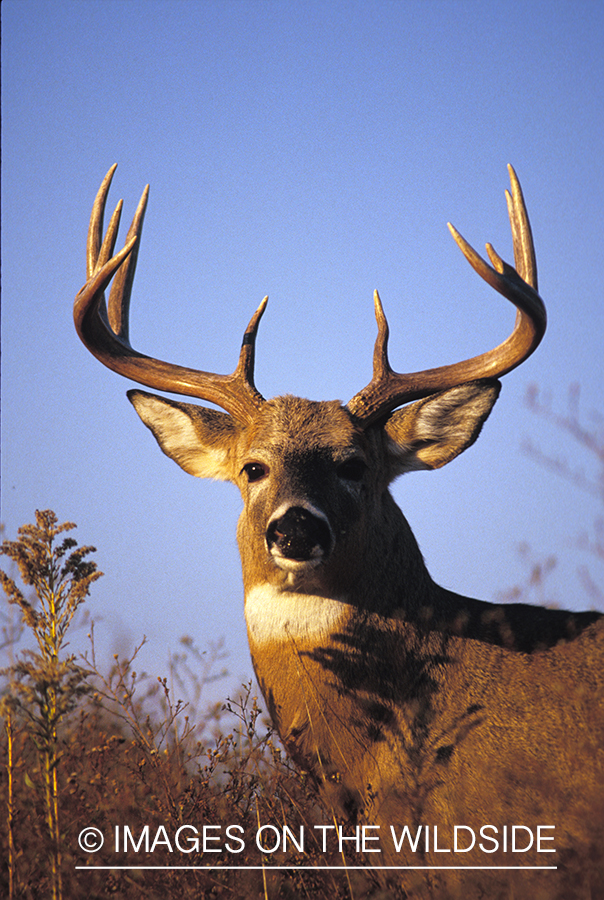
(43, 686)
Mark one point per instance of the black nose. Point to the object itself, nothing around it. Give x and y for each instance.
(299, 535)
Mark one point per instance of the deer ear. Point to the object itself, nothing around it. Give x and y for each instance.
(431, 432)
(200, 440)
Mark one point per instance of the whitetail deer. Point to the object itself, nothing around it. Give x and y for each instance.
(408, 704)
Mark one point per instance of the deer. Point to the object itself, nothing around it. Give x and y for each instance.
(416, 711)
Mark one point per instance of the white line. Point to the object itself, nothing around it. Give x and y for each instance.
(315, 868)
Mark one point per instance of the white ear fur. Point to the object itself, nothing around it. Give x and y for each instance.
(431, 432)
(200, 440)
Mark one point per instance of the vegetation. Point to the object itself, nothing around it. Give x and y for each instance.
(583, 467)
(87, 754)
(588, 437)
(45, 687)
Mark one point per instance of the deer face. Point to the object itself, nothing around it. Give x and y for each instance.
(313, 481)
(307, 475)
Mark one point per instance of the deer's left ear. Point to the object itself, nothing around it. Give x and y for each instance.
(429, 433)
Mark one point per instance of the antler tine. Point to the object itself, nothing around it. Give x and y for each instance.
(522, 235)
(95, 259)
(105, 333)
(118, 306)
(389, 389)
(381, 365)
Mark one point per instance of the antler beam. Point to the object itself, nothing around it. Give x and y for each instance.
(389, 389)
(104, 329)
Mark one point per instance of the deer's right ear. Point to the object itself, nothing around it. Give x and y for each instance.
(200, 440)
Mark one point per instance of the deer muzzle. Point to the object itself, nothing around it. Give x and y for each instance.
(298, 537)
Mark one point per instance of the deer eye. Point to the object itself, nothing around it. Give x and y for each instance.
(352, 470)
(255, 471)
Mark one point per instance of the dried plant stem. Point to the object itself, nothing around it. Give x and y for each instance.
(51, 794)
(10, 812)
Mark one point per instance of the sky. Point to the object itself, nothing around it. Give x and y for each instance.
(311, 151)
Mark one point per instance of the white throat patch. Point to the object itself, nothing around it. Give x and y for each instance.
(272, 614)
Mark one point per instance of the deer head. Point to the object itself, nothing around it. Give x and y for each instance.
(312, 475)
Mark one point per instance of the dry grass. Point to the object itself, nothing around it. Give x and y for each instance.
(85, 749)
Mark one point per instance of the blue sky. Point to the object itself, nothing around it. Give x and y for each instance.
(312, 151)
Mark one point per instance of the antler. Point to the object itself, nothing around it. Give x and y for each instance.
(104, 329)
(389, 389)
